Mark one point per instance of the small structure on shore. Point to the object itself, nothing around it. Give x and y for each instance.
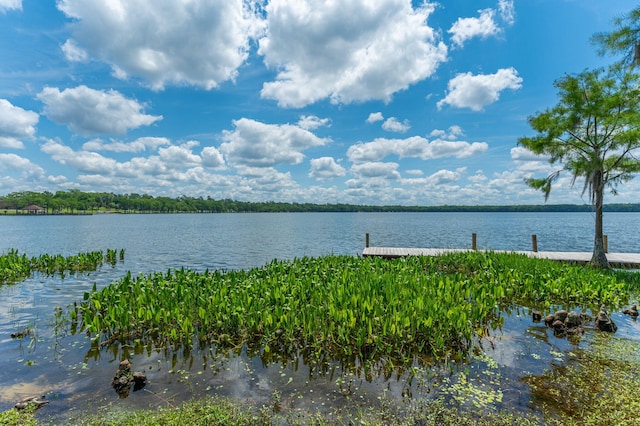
(34, 209)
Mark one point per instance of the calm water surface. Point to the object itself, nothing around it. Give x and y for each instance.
(73, 375)
(237, 241)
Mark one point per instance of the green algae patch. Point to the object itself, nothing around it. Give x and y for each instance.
(596, 385)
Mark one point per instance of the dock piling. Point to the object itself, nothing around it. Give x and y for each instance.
(534, 243)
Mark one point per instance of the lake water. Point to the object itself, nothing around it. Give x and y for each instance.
(73, 375)
(238, 241)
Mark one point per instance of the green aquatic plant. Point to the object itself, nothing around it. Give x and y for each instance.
(15, 267)
(341, 306)
(15, 417)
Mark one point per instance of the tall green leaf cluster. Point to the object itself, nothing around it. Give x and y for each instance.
(340, 306)
(15, 267)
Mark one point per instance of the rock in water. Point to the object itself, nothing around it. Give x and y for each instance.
(585, 317)
(139, 380)
(124, 379)
(633, 311)
(573, 320)
(549, 319)
(604, 322)
(32, 400)
(536, 316)
(558, 328)
(561, 315)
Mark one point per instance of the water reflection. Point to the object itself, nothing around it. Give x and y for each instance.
(508, 364)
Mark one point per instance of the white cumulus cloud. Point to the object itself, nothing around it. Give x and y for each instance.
(138, 145)
(257, 144)
(483, 26)
(414, 172)
(415, 147)
(520, 153)
(16, 124)
(376, 169)
(375, 117)
(11, 164)
(347, 51)
(477, 91)
(392, 124)
(83, 161)
(197, 42)
(180, 156)
(73, 52)
(212, 158)
(6, 5)
(268, 180)
(311, 122)
(441, 177)
(467, 28)
(87, 111)
(171, 164)
(326, 168)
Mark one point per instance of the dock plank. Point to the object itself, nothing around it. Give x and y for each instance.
(621, 260)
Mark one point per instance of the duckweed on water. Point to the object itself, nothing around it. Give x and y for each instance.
(220, 411)
(342, 306)
(598, 386)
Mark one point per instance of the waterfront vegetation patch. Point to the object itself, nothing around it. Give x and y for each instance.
(322, 305)
(15, 417)
(222, 411)
(343, 307)
(595, 386)
(16, 267)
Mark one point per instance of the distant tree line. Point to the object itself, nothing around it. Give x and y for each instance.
(75, 201)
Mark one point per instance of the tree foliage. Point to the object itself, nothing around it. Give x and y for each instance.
(595, 128)
(593, 133)
(624, 40)
(74, 201)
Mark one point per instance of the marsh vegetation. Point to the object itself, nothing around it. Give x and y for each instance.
(342, 306)
(417, 320)
(15, 267)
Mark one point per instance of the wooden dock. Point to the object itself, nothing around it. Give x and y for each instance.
(617, 260)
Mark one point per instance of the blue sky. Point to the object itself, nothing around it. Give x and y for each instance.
(337, 101)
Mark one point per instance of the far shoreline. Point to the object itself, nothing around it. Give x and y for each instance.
(76, 202)
(294, 208)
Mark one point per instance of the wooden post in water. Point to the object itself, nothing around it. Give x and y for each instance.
(366, 244)
(473, 241)
(534, 242)
(605, 243)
